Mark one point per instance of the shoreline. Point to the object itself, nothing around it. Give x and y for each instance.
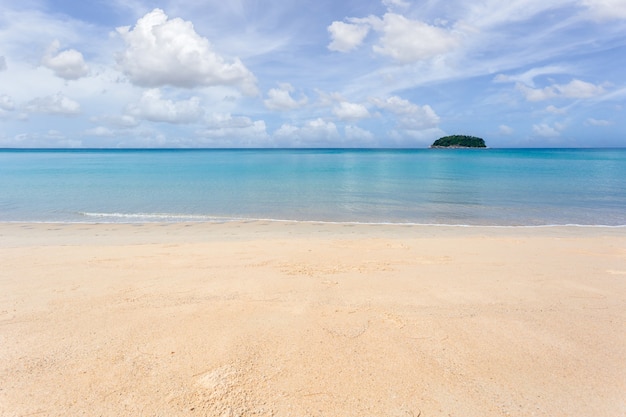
(303, 319)
(207, 220)
(197, 232)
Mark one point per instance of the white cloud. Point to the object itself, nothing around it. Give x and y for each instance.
(124, 121)
(556, 110)
(355, 133)
(152, 107)
(346, 36)
(619, 94)
(579, 89)
(351, 111)
(396, 105)
(408, 40)
(605, 9)
(6, 103)
(328, 99)
(57, 104)
(423, 118)
(547, 131)
(597, 122)
(280, 98)
(222, 120)
(315, 131)
(68, 64)
(237, 130)
(402, 39)
(169, 52)
(573, 89)
(3, 64)
(528, 77)
(505, 130)
(411, 116)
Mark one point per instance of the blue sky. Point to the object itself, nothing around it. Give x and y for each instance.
(311, 73)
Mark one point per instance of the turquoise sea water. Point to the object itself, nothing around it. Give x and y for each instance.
(520, 187)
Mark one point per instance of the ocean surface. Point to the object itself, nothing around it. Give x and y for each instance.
(495, 187)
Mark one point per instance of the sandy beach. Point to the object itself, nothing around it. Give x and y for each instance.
(304, 319)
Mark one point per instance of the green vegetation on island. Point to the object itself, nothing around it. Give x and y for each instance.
(459, 141)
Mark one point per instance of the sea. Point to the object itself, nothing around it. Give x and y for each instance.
(464, 187)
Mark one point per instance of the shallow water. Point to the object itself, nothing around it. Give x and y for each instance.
(500, 187)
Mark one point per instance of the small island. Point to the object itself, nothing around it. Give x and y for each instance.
(459, 141)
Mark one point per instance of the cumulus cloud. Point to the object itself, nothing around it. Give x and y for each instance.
(605, 9)
(222, 120)
(410, 115)
(239, 130)
(573, 89)
(280, 98)
(355, 133)
(351, 111)
(547, 131)
(405, 40)
(68, 64)
(156, 109)
(424, 118)
(326, 99)
(57, 104)
(162, 51)
(346, 36)
(313, 131)
(408, 40)
(6, 103)
(579, 89)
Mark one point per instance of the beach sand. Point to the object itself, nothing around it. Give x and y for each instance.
(303, 319)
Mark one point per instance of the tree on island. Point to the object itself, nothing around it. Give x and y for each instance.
(459, 141)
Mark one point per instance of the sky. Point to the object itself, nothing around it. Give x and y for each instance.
(311, 73)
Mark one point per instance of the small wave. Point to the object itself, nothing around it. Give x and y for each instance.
(170, 217)
(157, 217)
